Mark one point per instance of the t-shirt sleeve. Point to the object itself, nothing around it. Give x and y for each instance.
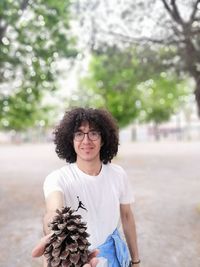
(127, 195)
(52, 183)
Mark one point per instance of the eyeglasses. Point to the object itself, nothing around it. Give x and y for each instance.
(92, 135)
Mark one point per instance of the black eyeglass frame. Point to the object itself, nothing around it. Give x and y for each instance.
(82, 135)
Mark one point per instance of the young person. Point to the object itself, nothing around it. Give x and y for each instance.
(87, 139)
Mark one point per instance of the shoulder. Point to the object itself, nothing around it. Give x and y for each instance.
(115, 168)
(56, 180)
(115, 171)
(58, 174)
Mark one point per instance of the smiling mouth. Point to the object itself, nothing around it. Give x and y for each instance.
(87, 149)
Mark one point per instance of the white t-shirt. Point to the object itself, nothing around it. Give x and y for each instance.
(101, 196)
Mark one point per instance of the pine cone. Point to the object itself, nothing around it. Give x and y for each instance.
(68, 245)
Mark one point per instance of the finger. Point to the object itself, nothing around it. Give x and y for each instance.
(94, 262)
(93, 254)
(39, 248)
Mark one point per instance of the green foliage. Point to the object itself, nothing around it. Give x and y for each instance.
(110, 84)
(161, 97)
(22, 110)
(34, 35)
(130, 86)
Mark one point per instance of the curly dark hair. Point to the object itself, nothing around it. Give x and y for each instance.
(100, 119)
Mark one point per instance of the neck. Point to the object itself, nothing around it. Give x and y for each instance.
(89, 168)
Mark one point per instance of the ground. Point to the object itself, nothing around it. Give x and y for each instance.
(166, 183)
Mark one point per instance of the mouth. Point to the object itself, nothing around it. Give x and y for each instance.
(86, 148)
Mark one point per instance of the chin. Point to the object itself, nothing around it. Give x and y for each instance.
(89, 158)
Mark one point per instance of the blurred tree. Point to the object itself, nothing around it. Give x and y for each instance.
(34, 35)
(164, 23)
(162, 96)
(130, 87)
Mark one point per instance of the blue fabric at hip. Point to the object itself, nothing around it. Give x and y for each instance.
(115, 251)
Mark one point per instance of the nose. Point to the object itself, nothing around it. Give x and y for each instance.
(86, 138)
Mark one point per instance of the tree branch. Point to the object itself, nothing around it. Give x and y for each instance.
(193, 14)
(132, 40)
(195, 32)
(176, 12)
(24, 5)
(2, 32)
(173, 12)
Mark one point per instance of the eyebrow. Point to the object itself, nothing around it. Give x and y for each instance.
(90, 129)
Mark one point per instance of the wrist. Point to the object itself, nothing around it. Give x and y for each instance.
(134, 262)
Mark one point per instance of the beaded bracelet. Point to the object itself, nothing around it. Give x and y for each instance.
(134, 262)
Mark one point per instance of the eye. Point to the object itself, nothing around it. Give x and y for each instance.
(94, 133)
(78, 134)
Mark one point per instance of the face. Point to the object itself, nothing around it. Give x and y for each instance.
(87, 150)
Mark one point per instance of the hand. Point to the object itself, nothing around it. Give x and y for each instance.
(92, 259)
(39, 250)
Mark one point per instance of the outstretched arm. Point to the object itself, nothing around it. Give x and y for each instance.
(54, 201)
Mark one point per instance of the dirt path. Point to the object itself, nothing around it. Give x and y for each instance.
(166, 182)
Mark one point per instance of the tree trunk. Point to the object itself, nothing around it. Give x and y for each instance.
(197, 94)
(156, 132)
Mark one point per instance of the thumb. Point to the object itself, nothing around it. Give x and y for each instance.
(40, 247)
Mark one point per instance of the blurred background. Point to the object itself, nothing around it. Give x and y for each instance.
(138, 59)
